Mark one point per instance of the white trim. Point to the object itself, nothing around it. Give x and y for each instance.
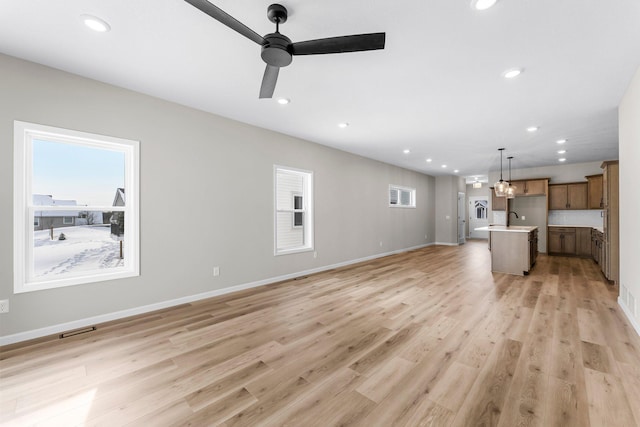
(629, 315)
(95, 320)
(447, 244)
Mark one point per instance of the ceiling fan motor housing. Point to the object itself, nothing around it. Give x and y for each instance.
(275, 50)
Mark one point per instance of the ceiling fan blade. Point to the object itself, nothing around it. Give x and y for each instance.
(355, 43)
(269, 81)
(226, 19)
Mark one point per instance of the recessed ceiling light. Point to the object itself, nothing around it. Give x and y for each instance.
(284, 101)
(562, 151)
(532, 128)
(429, 160)
(512, 73)
(95, 23)
(343, 125)
(482, 4)
(406, 151)
(456, 171)
(444, 166)
(562, 159)
(561, 141)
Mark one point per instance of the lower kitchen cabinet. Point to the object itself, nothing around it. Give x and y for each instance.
(575, 241)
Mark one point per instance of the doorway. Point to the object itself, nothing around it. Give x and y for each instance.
(478, 216)
(461, 218)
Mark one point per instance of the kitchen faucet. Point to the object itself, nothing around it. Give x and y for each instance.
(513, 212)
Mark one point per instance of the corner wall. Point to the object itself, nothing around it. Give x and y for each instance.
(192, 161)
(629, 125)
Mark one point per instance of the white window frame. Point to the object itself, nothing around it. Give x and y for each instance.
(24, 209)
(412, 203)
(307, 210)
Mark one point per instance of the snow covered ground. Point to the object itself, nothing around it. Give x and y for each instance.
(85, 248)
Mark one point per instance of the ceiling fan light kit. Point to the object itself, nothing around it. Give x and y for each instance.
(278, 49)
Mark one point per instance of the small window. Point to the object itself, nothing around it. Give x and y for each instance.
(402, 197)
(298, 211)
(293, 210)
(65, 182)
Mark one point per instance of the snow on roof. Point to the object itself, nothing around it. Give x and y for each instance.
(48, 200)
(119, 200)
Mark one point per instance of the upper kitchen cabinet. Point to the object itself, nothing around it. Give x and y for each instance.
(531, 187)
(594, 185)
(568, 196)
(498, 203)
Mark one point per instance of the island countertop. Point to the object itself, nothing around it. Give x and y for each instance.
(511, 228)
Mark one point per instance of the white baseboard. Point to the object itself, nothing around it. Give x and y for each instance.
(447, 244)
(95, 320)
(627, 312)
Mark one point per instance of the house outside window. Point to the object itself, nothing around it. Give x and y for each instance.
(402, 197)
(64, 182)
(293, 210)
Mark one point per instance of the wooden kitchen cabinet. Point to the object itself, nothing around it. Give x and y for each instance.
(531, 187)
(568, 196)
(583, 241)
(498, 203)
(594, 186)
(562, 241)
(611, 210)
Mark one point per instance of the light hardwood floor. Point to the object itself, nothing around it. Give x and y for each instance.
(429, 337)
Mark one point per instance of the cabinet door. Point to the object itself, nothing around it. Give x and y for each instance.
(555, 242)
(569, 243)
(557, 197)
(594, 184)
(583, 241)
(577, 196)
(498, 203)
(521, 187)
(536, 187)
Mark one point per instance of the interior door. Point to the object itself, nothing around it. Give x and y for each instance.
(461, 218)
(478, 216)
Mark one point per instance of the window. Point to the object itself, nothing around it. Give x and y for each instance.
(481, 209)
(402, 197)
(293, 210)
(298, 211)
(64, 184)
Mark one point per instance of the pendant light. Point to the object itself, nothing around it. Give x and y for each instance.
(511, 189)
(500, 187)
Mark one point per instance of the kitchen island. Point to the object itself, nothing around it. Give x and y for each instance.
(513, 249)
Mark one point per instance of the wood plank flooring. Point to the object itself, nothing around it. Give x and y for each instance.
(426, 338)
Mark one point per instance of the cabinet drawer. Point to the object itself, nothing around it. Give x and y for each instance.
(563, 229)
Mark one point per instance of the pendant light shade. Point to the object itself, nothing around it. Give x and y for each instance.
(511, 189)
(501, 186)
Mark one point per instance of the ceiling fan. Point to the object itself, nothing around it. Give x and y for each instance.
(277, 49)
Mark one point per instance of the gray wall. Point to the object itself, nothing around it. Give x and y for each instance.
(219, 174)
(447, 188)
(629, 113)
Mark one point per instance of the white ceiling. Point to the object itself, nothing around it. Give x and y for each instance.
(435, 89)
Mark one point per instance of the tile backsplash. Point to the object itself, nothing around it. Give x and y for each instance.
(499, 218)
(589, 218)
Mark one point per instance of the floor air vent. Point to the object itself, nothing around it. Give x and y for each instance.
(77, 332)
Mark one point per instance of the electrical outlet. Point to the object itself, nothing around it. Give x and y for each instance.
(524, 217)
(216, 271)
(315, 254)
(380, 244)
(4, 306)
